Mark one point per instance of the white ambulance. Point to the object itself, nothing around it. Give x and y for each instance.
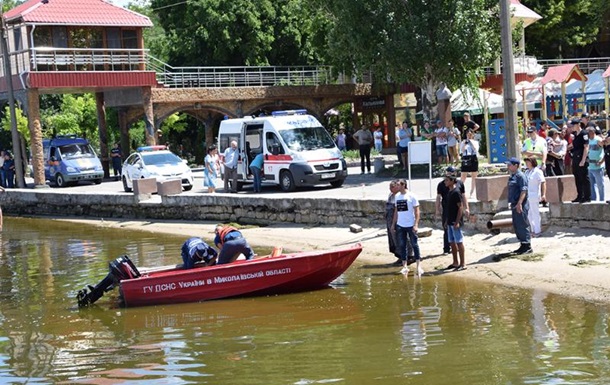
(297, 149)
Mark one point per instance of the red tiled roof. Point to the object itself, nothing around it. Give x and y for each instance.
(563, 73)
(76, 12)
(606, 73)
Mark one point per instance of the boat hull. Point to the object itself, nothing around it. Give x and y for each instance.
(262, 276)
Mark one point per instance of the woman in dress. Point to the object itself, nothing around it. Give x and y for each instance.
(210, 172)
(536, 193)
(469, 149)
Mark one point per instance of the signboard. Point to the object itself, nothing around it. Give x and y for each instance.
(421, 153)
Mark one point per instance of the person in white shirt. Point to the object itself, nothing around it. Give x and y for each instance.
(405, 224)
(378, 137)
(441, 143)
(230, 160)
(536, 193)
(453, 141)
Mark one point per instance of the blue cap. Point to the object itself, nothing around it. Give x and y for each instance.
(575, 121)
(514, 161)
(450, 170)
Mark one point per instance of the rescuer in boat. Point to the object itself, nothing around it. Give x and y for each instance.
(196, 250)
(231, 244)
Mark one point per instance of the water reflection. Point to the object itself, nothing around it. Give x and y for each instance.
(375, 326)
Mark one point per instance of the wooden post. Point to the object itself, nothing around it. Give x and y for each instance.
(36, 137)
(103, 132)
(564, 105)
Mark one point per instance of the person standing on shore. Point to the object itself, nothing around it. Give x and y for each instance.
(579, 150)
(454, 222)
(256, 167)
(378, 136)
(406, 223)
(389, 220)
(210, 172)
(364, 137)
(404, 138)
(442, 193)
(517, 199)
(230, 160)
(536, 194)
(117, 160)
(341, 139)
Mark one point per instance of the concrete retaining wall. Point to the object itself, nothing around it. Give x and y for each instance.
(264, 210)
(221, 208)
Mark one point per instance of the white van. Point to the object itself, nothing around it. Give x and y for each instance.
(297, 149)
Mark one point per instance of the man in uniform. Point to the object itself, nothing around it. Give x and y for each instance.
(517, 199)
(196, 250)
(579, 151)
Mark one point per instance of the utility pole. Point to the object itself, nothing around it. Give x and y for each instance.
(11, 102)
(508, 77)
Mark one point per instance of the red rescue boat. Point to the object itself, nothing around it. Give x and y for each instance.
(275, 274)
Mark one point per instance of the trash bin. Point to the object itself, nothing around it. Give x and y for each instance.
(378, 164)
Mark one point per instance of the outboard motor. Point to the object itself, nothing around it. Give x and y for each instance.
(119, 269)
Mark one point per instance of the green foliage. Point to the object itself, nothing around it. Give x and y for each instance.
(417, 41)
(239, 32)
(22, 122)
(155, 38)
(566, 25)
(77, 114)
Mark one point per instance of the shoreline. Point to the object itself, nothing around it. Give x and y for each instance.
(571, 262)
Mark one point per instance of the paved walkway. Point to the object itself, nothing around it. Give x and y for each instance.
(356, 186)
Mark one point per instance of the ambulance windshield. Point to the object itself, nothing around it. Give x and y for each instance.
(307, 138)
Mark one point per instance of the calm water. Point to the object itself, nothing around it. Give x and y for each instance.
(373, 327)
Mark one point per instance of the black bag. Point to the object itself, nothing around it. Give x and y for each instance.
(468, 161)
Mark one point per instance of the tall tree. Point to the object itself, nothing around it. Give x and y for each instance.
(155, 39)
(565, 27)
(238, 32)
(423, 42)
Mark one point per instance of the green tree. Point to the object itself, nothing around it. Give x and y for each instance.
(239, 32)
(565, 27)
(416, 41)
(77, 115)
(22, 123)
(154, 38)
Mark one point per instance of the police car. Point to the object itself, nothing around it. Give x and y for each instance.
(156, 162)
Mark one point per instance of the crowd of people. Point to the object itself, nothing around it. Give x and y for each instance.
(403, 216)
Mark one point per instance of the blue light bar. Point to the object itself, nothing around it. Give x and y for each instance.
(289, 112)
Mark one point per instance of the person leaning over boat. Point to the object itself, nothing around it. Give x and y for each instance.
(196, 250)
(231, 244)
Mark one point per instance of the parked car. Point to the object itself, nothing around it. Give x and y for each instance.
(156, 162)
(69, 160)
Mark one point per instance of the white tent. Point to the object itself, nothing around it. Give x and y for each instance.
(467, 101)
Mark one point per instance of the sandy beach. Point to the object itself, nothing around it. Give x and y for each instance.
(571, 262)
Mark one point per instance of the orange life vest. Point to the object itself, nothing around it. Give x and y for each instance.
(223, 233)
